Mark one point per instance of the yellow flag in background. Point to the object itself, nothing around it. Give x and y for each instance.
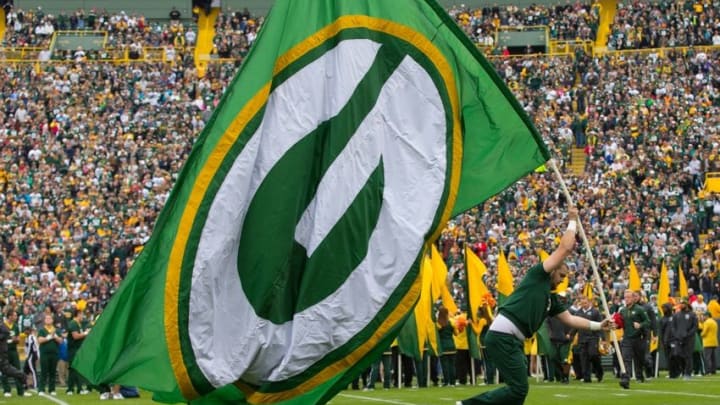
(505, 283)
(634, 277)
(423, 317)
(588, 290)
(683, 284)
(663, 287)
(476, 286)
(439, 287)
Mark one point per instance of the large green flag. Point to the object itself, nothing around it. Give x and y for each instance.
(287, 255)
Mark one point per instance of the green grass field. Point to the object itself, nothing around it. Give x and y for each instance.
(697, 391)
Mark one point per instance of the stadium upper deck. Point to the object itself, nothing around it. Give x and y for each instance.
(160, 8)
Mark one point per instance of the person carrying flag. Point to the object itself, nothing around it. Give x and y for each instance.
(522, 314)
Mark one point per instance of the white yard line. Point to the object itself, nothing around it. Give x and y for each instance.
(53, 399)
(385, 401)
(680, 393)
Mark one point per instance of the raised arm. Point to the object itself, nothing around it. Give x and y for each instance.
(567, 244)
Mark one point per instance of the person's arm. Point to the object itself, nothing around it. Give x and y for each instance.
(45, 339)
(577, 322)
(77, 335)
(645, 323)
(567, 243)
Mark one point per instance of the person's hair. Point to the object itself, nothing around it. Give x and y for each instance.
(443, 316)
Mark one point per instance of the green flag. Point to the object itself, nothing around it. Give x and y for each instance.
(287, 255)
(545, 346)
(409, 338)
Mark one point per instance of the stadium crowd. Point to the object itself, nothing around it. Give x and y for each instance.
(90, 151)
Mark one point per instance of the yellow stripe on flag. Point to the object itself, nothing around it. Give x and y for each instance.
(634, 277)
(476, 286)
(424, 305)
(505, 283)
(683, 284)
(439, 287)
(663, 287)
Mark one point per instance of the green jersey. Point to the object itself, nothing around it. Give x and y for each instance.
(445, 335)
(73, 344)
(635, 313)
(51, 346)
(532, 302)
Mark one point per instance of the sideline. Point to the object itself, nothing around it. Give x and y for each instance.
(385, 401)
(680, 393)
(52, 398)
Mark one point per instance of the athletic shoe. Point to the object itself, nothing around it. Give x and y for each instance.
(53, 393)
(27, 394)
(7, 395)
(118, 396)
(84, 392)
(104, 396)
(69, 393)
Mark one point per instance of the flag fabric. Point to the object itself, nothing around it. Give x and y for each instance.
(505, 283)
(476, 289)
(682, 284)
(439, 281)
(420, 329)
(588, 290)
(663, 295)
(287, 255)
(544, 344)
(634, 282)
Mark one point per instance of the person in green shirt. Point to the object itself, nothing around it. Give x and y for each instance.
(635, 323)
(522, 314)
(76, 335)
(49, 339)
(12, 354)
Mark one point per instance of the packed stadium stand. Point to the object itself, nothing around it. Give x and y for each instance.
(102, 101)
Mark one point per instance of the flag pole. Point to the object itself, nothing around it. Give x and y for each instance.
(590, 257)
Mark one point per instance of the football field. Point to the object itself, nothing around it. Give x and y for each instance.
(662, 391)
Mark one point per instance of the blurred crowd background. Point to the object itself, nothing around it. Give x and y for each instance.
(91, 143)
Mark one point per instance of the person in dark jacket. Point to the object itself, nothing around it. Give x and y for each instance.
(666, 340)
(561, 337)
(648, 334)
(684, 328)
(589, 342)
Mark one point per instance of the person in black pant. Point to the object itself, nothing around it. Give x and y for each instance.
(684, 329)
(667, 340)
(5, 367)
(560, 336)
(648, 333)
(363, 377)
(635, 320)
(589, 341)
